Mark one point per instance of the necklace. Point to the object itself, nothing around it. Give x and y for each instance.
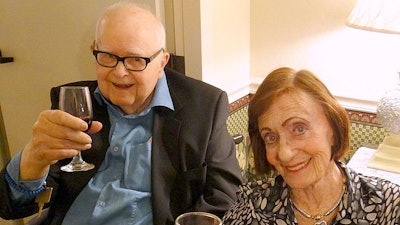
(319, 217)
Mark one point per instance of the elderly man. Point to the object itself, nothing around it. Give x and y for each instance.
(158, 139)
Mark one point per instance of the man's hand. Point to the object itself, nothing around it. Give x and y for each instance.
(56, 135)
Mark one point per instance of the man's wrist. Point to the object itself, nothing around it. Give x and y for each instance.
(31, 168)
(22, 188)
(19, 186)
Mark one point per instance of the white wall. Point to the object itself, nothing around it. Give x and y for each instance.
(357, 66)
(226, 45)
(217, 43)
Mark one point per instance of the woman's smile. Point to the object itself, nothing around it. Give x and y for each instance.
(298, 166)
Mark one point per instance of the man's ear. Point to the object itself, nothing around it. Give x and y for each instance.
(92, 46)
(164, 60)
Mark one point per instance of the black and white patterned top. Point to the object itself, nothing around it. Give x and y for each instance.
(367, 200)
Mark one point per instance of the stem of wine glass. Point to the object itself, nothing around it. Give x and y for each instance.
(77, 159)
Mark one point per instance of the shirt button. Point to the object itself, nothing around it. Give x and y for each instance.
(116, 149)
(102, 203)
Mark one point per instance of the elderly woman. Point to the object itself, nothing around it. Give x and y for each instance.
(298, 129)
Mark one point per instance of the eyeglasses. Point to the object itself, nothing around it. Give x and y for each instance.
(132, 63)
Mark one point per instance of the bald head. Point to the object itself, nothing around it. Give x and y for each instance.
(125, 17)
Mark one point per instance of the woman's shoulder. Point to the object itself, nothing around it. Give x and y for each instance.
(260, 200)
(261, 185)
(264, 194)
(370, 184)
(370, 198)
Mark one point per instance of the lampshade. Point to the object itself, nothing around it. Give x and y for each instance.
(376, 15)
(383, 16)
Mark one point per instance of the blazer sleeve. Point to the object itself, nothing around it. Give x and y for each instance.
(223, 171)
(8, 208)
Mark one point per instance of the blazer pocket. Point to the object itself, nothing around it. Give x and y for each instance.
(188, 187)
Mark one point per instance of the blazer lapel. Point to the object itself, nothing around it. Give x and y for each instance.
(165, 163)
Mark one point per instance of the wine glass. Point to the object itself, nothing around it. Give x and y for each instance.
(198, 218)
(76, 101)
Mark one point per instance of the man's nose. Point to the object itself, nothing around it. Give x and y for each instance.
(120, 69)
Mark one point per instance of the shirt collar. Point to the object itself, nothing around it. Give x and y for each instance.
(162, 96)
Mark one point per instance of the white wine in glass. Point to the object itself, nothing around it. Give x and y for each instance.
(76, 101)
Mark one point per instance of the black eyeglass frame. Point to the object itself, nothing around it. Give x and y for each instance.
(122, 59)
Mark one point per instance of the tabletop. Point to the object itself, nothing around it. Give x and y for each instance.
(359, 162)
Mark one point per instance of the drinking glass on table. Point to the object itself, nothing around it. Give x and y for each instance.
(76, 101)
(198, 218)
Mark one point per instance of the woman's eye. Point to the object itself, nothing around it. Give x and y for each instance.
(299, 129)
(270, 138)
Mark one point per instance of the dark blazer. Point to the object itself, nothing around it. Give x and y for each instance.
(194, 165)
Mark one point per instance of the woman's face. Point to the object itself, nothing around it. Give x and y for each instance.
(298, 139)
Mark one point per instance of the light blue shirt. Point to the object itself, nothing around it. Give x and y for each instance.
(120, 191)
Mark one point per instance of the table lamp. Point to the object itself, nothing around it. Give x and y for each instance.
(383, 16)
